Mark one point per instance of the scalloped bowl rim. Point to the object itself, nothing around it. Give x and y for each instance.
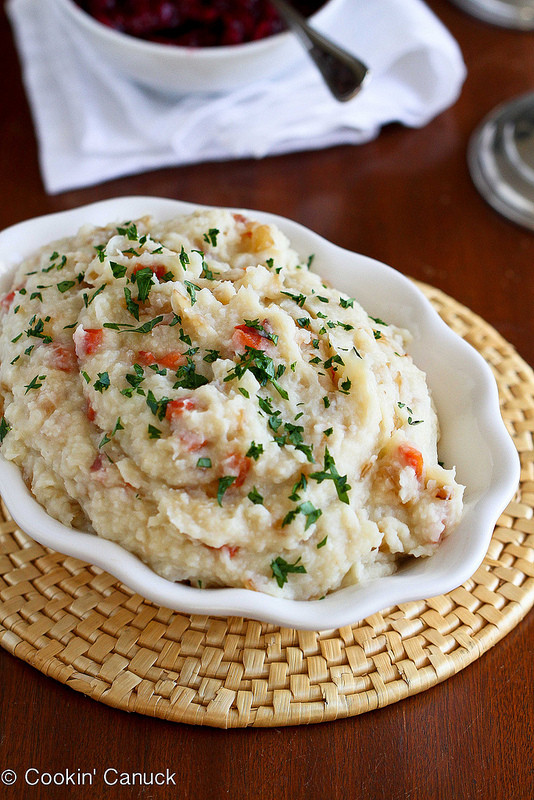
(490, 469)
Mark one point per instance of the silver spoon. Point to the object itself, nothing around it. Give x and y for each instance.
(344, 74)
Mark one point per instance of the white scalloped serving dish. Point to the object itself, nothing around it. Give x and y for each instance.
(474, 437)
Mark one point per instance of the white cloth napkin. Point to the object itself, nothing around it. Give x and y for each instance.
(93, 125)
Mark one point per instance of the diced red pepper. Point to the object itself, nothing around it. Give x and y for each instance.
(5, 302)
(411, 457)
(175, 408)
(244, 336)
(90, 412)
(98, 463)
(61, 357)
(238, 465)
(172, 360)
(87, 341)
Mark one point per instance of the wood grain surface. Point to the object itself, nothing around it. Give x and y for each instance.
(405, 199)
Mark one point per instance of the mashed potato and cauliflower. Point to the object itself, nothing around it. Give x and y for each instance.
(191, 390)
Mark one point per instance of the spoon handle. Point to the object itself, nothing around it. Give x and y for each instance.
(344, 74)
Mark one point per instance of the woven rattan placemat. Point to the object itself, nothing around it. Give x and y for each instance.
(82, 627)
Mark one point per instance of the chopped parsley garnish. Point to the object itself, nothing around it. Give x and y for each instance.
(244, 392)
(158, 407)
(311, 513)
(192, 289)
(378, 320)
(411, 420)
(211, 236)
(131, 305)
(211, 356)
(118, 270)
(54, 258)
(147, 326)
(184, 258)
(262, 367)
(108, 437)
(346, 303)
(204, 463)
(37, 330)
(4, 429)
(326, 402)
(144, 279)
(336, 359)
(254, 451)
(255, 497)
(100, 248)
(102, 383)
(36, 296)
(330, 473)
(153, 433)
(206, 272)
(188, 377)
(281, 569)
(88, 300)
(138, 378)
(224, 484)
(328, 432)
(63, 286)
(34, 383)
(307, 508)
(126, 327)
(322, 542)
(130, 231)
(299, 299)
(300, 485)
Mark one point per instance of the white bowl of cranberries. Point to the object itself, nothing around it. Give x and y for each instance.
(182, 46)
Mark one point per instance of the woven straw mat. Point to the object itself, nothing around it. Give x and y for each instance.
(81, 626)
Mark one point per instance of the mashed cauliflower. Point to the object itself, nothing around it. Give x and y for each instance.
(191, 390)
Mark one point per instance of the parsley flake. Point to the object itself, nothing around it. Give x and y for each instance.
(118, 270)
(281, 569)
(102, 383)
(254, 451)
(192, 289)
(330, 473)
(63, 286)
(255, 497)
(34, 383)
(4, 429)
(224, 484)
(153, 433)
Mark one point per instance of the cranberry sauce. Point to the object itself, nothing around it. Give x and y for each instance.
(193, 23)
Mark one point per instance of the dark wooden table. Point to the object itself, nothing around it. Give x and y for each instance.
(405, 199)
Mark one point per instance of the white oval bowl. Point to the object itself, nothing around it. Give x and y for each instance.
(474, 437)
(176, 69)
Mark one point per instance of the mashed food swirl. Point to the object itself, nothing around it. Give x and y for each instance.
(193, 391)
